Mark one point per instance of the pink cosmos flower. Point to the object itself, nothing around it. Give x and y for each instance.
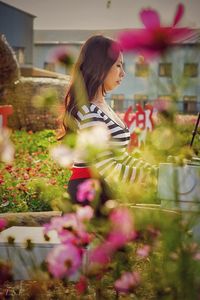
(122, 222)
(62, 55)
(122, 232)
(64, 260)
(154, 39)
(70, 229)
(128, 282)
(81, 285)
(162, 105)
(87, 190)
(3, 223)
(116, 240)
(143, 251)
(100, 255)
(196, 256)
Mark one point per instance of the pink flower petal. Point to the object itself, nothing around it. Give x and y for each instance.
(3, 223)
(64, 260)
(143, 251)
(179, 14)
(101, 254)
(150, 18)
(81, 285)
(85, 213)
(180, 34)
(127, 282)
(154, 39)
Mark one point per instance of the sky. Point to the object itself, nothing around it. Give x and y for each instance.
(94, 14)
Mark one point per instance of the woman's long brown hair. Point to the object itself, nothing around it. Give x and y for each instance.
(97, 56)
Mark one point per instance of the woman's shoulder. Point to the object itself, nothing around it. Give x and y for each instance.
(87, 109)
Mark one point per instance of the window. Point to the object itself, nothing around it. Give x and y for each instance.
(190, 104)
(141, 70)
(165, 97)
(117, 102)
(19, 52)
(117, 96)
(190, 69)
(140, 97)
(49, 66)
(165, 69)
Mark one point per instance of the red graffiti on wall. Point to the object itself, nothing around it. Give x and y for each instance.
(142, 119)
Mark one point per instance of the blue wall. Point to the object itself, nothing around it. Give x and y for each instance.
(153, 86)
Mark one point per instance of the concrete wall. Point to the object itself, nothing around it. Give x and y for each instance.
(26, 116)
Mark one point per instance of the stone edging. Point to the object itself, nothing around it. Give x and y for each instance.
(30, 218)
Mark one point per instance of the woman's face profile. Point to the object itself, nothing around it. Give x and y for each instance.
(115, 74)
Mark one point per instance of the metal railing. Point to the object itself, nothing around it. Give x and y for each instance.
(182, 107)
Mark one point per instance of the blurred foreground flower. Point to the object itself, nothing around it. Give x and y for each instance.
(154, 39)
(63, 155)
(89, 142)
(96, 137)
(143, 251)
(64, 260)
(85, 213)
(47, 98)
(88, 190)
(62, 55)
(128, 282)
(121, 232)
(70, 229)
(162, 105)
(3, 223)
(122, 221)
(81, 285)
(6, 147)
(5, 273)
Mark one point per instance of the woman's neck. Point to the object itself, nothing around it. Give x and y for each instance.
(99, 98)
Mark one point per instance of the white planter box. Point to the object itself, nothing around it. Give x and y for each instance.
(179, 187)
(24, 260)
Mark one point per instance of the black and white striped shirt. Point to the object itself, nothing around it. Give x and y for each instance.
(123, 166)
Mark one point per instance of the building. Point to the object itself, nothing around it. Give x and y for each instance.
(20, 35)
(17, 26)
(144, 82)
(47, 41)
(177, 75)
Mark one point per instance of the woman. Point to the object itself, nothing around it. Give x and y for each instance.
(100, 69)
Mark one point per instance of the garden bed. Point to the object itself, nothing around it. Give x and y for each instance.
(23, 182)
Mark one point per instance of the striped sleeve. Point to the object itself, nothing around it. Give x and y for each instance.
(128, 169)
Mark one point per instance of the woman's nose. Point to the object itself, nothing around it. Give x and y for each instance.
(122, 74)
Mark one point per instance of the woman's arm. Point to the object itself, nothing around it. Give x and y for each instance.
(113, 163)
